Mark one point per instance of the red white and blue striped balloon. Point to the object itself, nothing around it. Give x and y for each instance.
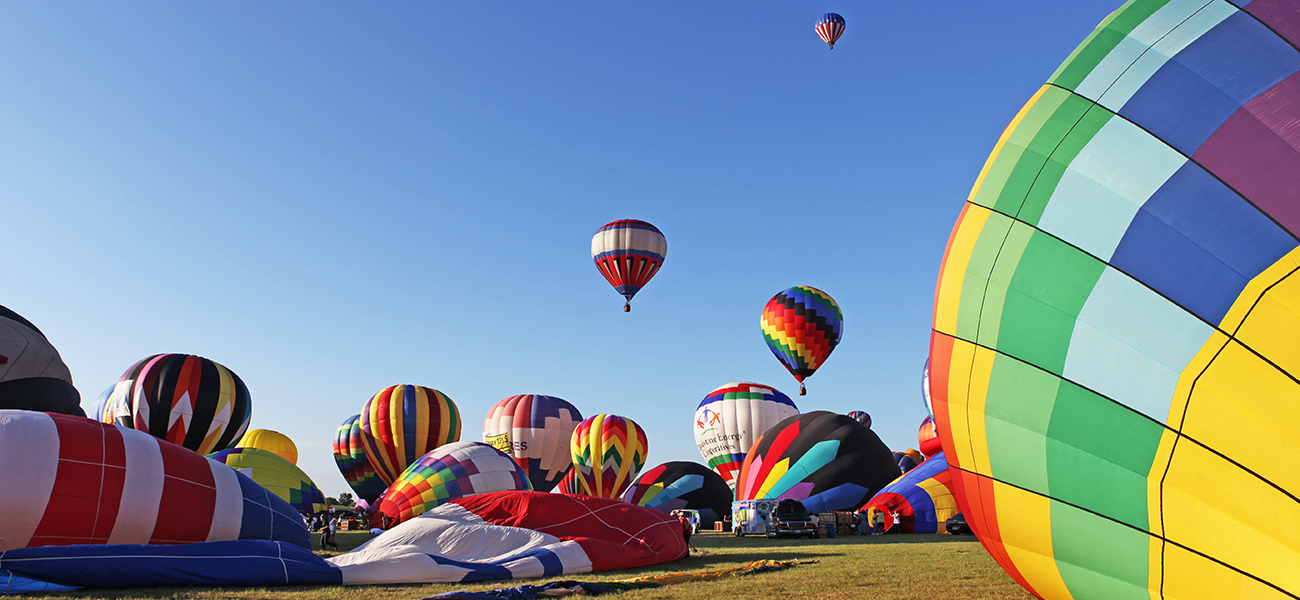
(829, 28)
(628, 253)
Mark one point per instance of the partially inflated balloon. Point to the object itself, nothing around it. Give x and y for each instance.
(628, 253)
(534, 430)
(1114, 362)
(928, 438)
(861, 417)
(32, 374)
(568, 485)
(277, 474)
(829, 28)
(451, 471)
(827, 461)
(925, 388)
(730, 419)
(681, 484)
(184, 399)
(350, 456)
(404, 422)
(802, 325)
(273, 441)
(922, 498)
(608, 452)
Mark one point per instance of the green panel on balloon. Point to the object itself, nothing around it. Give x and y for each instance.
(1042, 128)
(1018, 411)
(1100, 42)
(1051, 285)
(1119, 573)
(1068, 148)
(982, 260)
(1099, 455)
(1000, 280)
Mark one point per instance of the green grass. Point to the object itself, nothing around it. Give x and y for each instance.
(886, 567)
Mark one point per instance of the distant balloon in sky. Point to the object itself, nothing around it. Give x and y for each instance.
(535, 431)
(829, 28)
(273, 441)
(861, 417)
(1114, 357)
(184, 399)
(731, 418)
(404, 422)
(350, 455)
(802, 325)
(628, 253)
(32, 374)
(608, 452)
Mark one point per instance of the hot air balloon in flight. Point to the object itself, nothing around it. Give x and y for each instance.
(608, 452)
(535, 430)
(861, 417)
(628, 253)
(404, 422)
(447, 473)
(1113, 360)
(730, 419)
(273, 441)
(184, 399)
(32, 374)
(829, 28)
(802, 325)
(350, 455)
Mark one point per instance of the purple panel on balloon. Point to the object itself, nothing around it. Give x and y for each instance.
(1283, 16)
(1279, 110)
(799, 491)
(1258, 165)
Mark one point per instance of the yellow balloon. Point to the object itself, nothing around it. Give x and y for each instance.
(274, 441)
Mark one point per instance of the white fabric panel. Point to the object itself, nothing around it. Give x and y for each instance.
(137, 515)
(29, 460)
(228, 514)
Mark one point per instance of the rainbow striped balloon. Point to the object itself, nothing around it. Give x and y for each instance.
(802, 325)
(350, 456)
(922, 498)
(608, 453)
(404, 422)
(1114, 362)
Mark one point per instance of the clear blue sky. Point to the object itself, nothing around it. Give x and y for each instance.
(330, 198)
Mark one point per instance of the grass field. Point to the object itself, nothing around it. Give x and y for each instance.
(890, 567)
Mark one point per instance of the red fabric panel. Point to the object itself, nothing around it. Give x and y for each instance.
(188, 499)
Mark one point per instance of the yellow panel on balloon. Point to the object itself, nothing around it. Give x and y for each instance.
(1027, 538)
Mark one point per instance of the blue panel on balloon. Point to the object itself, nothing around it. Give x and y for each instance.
(1241, 57)
(1198, 243)
(1179, 107)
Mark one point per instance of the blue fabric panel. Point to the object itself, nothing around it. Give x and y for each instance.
(1179, 107)
(847, 496)
(1198, 243)
(17, 584)
(1241, 57)
(231, 563)
(268, 517)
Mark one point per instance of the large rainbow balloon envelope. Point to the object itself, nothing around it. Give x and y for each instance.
(535, 430)
(628, 253)
(731, 418)
(184, 399)
(922, 498)
(273, 441)
(276, 474)
(802, 325)
(608, 452)
(350, 456)
(450, 472)
(404, 422)
(1114, 361)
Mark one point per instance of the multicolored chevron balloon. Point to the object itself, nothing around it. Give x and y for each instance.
(802, 325)
(350, 454)
(451, 471)
(608, 453)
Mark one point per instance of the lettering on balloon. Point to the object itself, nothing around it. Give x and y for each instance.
(500, 442)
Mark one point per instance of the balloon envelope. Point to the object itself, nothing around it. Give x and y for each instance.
(861, 417)
(404, 422)
(272, 441)
(1114, 374)
(184, 399)
(277, 474)
(829, 28)
(350, 456)
(628, 253)
(928, 438)
(729, 420)
(32, 374)
(827, 461)
(681, 484)
(535, 430)
(922, 498)
(449, 472)
(608, 452)
(802, 325)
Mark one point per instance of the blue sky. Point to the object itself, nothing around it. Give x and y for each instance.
(330, 198)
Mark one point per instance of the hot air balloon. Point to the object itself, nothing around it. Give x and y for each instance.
(404, 422)
(1113, 360)
(184, 399)
(628, 253)
(928, 438)
(908, 459)
(273, 441)
(730, 419)
(922, 498)
(861, 417)
(277, 474)
(802, 325)
(568, 485)
(71, 480)
(350, 455)
(826, 461)
(681, 484)
(32, 374)
(535, 430)
(451, 471)
(608, 452)
(829, 28)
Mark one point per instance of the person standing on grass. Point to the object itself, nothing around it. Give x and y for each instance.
(333, 528)
(686, 530)
(878, 523)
